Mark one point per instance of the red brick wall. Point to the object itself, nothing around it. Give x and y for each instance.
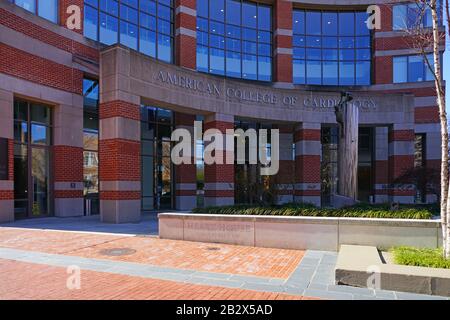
(186, 46)
(120, 159)
(42, 71)
(37, 32)
(426, 115)
(282, 19)
(67, 164)
(63, 15)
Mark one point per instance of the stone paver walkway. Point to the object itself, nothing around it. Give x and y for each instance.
(184, 265)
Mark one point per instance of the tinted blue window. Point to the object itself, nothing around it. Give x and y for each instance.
(412, 15)
(217, 10)
(90, 22)
(233, 12)
(128, 34)
(108, 29)
(147, 42)
(234, 38)
(143, 25)
(29, 5)
(330, 47)
(48, 9)
(313, 25)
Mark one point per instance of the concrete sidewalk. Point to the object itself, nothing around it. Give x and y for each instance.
(147, 226)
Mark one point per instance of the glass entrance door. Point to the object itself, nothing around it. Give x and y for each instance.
(157, 173)
(32, 139)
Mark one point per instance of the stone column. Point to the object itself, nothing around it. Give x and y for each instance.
(68, 159)
(120, 162)
(381, 184)
(308, 150)
(285, 179)
(219, 178)
(7, 131)
(185, 33)
(282, 55)
(186, 174)
(401, 159)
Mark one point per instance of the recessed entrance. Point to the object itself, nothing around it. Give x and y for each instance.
(32, 140)
(157, 171)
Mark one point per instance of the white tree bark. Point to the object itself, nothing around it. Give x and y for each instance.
(445, 192)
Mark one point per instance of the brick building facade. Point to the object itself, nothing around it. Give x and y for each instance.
(58, 165)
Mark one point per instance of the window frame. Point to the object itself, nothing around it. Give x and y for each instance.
(256, 42)
(137, 24)
(36, 11)
(424, 65)
(339, 60)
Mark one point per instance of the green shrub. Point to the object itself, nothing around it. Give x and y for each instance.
(294, 209)
(409, 256)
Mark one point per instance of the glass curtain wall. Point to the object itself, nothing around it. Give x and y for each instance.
(143, 25)
(234, 39)
(331, 48)
(157, 170)
(32, 141)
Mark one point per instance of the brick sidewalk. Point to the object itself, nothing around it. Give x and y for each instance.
(262, 262)
(20, 280)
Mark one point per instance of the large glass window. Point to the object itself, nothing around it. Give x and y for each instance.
(143, 25)
(331, 48)
(47, 9)
(32, 141)
(90, 152)
(413, 68)
(157, 171)
(414, 15)
(234, 39)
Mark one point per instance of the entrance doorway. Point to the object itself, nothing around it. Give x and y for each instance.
(157, 170)
(32, 140)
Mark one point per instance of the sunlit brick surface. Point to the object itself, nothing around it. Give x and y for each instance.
(263, 262)
(20, 280)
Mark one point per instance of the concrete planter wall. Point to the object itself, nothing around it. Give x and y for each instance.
(315, 233)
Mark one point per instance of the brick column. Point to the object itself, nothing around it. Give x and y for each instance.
(282, 52)
(381, 186)
(63, 15)
(284, 180)
(219, 178)
(68, 159)
(186, 174)
(401, 158)
(7, 131)
(120, 158)
(185, 33)
(308, 149)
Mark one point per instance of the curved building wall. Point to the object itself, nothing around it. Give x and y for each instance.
(46, 62)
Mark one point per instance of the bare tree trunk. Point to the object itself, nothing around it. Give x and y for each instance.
(348, 152)
(445, 195)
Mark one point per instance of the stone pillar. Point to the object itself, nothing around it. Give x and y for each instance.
(7, 131)
(185, 33)
(63, 15)
(401, 159)
(186, 174)
(285, 179)
(68, 159)
(381, 184)
(120, 162)
(219, 178)
(282, 55)
(308, 150)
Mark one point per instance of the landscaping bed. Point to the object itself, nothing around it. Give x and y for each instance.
(420, 257)
(357, 211)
